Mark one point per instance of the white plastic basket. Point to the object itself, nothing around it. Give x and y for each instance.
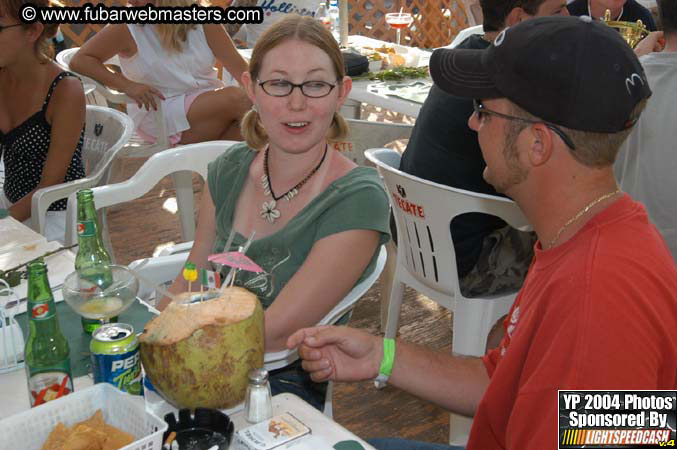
(29, 430)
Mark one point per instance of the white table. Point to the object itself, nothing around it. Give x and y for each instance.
(14, 391)
(15, 234)
(325, 432)
(21, 244)
(361, 93)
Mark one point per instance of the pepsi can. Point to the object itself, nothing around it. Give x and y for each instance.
(115, 357)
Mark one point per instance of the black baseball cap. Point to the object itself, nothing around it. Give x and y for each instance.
(570, 71)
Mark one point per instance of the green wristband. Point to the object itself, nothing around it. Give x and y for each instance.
(388, 357)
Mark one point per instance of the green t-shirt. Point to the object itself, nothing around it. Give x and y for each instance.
(357, 200)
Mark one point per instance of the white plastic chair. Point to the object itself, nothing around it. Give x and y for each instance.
(181, 160)
(366, 134)
(137, 146)
(163, 269)
(426, 259)
(351, 109)
(106, 133)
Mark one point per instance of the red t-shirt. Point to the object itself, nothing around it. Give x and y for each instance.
(597, 312)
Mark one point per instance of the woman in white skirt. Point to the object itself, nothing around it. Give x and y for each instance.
(172, 64)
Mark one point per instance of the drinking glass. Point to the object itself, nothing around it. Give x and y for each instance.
(89, 300)
(399, 21)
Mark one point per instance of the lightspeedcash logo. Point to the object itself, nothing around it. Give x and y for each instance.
(148, 14)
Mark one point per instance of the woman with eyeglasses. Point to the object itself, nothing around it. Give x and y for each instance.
(172, 64)
(319, 219)
(42, 118)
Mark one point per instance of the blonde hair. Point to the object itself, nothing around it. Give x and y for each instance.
(173, 36)
(43, 46)
(304, 29)
(593, 149)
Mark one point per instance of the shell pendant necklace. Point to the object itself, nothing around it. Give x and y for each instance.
(268, 209)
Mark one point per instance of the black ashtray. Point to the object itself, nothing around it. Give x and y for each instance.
(200, 431)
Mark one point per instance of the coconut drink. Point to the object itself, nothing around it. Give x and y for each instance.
(199, 350)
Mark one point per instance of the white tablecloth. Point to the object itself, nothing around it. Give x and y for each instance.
(362, 89)
(325, 432)
(15, 234)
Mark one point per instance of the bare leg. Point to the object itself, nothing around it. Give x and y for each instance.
(216, 115)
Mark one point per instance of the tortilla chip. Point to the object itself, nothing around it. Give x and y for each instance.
(90, 434)
(96, 421)
(84, 437)
(117, 438)
(56, 438)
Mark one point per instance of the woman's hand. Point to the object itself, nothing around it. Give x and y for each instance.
(143, 94)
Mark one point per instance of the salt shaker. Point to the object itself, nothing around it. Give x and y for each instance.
(258, 404)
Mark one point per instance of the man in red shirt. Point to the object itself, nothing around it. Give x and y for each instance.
(556, 97)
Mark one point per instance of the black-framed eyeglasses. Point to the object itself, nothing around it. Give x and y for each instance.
(4, 27)
(480, 110)
(283, 88)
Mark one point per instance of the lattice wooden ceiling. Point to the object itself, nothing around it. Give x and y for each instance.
(435, 22)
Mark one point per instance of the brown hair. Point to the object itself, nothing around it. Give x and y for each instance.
(667, 12)
(593, 149)
(305, 29)
(494, 12)
(43, 47)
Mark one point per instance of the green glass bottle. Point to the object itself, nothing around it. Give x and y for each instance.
(47, 355)
(92, 259)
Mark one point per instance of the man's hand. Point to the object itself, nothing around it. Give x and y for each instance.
(654, 42)
(338, 353)
(143, 94)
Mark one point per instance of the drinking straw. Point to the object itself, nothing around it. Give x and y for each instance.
(150, 282)
(228, 282)
(226, 248)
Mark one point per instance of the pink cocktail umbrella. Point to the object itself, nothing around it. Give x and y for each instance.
(237, 260)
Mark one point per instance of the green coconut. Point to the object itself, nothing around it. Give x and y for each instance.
(199, 354)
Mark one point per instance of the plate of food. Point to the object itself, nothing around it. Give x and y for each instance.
(390, 56)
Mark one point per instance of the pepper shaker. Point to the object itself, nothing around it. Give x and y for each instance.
(258, 405)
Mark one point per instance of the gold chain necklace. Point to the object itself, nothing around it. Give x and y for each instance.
(579, 214)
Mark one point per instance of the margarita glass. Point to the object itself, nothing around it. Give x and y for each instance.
(94, 302)
(399, 21)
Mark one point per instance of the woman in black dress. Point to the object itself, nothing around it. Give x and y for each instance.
(42, 117)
